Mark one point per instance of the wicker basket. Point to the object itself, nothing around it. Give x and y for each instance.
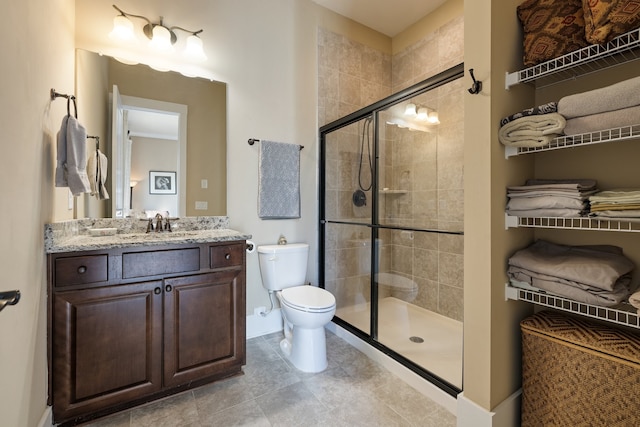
(576, 372)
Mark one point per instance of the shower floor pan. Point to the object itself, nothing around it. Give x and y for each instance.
(426, 338)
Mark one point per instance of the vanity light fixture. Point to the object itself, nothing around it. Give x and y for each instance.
(426, 114)
(410, 110)
(162, 38)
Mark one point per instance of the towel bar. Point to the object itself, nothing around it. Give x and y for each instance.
(252, 141)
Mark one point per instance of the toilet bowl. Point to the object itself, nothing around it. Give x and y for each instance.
(305, 308)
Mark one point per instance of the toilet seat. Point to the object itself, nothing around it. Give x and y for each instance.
(308, 298)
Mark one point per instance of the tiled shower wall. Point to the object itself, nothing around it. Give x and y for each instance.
(352, 76)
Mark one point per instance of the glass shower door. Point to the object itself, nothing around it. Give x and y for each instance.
(348, 210)
(416, 225)
(391, 225)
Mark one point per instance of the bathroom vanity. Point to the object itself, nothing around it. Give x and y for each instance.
(137, 316)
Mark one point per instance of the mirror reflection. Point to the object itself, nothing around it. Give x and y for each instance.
(154, 125)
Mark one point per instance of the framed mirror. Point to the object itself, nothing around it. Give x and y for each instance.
(150, 103)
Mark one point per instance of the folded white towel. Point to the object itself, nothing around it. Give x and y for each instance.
(621, 95)
(634, 300)
(629, 195)
(532, 131)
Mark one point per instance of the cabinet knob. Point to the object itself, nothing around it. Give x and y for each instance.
(157, 291)
(168, 288)
(82, 269)
(227, 256)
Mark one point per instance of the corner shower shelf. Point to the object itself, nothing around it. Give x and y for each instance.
(574, 223)
(622, 314)
(589, 59)
(387, 191)
(570, 141)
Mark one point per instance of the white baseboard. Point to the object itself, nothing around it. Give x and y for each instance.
(506, 414)
(411, 378)
(47, 418)
(258, 325)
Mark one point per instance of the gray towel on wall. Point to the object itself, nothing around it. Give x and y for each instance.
(279, 180)
(71, 168)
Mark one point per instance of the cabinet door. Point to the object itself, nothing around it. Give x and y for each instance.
(107, 345)
(204, 326)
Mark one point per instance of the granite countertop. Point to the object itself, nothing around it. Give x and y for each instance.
(74, 235)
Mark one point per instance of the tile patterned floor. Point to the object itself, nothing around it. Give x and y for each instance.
(352, 391)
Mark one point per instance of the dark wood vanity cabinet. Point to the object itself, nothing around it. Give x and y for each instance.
(129, 325)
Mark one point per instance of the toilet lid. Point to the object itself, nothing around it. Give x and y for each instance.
(308, 298)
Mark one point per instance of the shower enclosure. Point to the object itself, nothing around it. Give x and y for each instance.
(391, 225)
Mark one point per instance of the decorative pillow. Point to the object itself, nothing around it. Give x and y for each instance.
(606, 19)
(551, 29)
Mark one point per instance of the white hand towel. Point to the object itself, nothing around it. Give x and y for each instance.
(77, 157)
(97, 173)
(61, 165)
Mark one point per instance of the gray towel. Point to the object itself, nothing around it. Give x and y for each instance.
(599, 266)
(71, 168)
(621, 95)
(608, 120)
(279, 180)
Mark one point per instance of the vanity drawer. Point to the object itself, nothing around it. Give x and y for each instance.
(225, 255)
(80, 270)
(154, 263)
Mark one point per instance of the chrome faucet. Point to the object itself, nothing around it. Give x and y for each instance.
(158, 223)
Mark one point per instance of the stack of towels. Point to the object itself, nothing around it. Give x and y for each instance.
(598, 275)
(609, 107)
(551, 198)
(621, 203)
(534, 127)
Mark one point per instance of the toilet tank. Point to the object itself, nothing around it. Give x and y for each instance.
(283, 266)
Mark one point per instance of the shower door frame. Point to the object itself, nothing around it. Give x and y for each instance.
(454, 73)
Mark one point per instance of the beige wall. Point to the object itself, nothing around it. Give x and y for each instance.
(36, 44)
(491, 338)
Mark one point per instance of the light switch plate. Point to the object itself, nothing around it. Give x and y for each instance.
(204, 183)
(202, 206)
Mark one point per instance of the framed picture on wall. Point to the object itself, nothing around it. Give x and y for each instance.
(162, 182)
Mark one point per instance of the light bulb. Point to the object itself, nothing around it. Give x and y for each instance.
(161, 40)
(194, 48)
(410, 110)
(433, 118)
(122, 28)
(423, 114)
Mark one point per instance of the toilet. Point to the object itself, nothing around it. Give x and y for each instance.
(305, 309)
